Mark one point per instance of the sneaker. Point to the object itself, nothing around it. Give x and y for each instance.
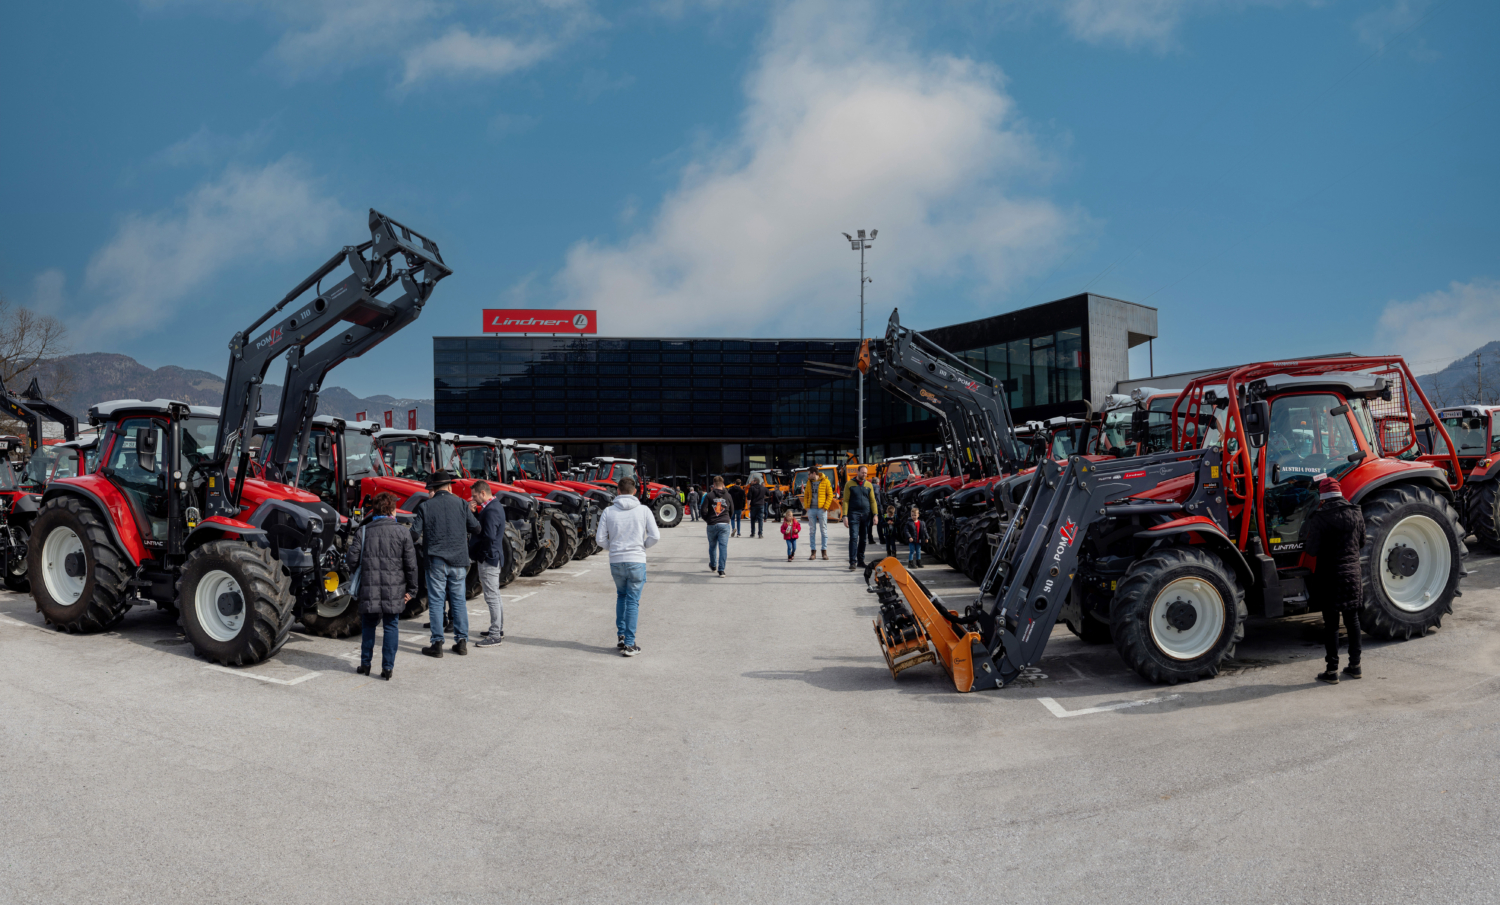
(721, 573)
(621, 640)
(461, 648)
(489, 640)
(851, 567)
(435, 650)
(1329, 676)
(363, 669)
(1353, 672)
(790, 556)
(385, 674)
(630, 651)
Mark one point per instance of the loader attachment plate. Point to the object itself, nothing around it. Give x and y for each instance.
(912, 630)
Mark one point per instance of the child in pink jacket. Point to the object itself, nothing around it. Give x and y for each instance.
(791, 529)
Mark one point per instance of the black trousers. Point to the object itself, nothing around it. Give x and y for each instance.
(1331, 635)
(858, 523)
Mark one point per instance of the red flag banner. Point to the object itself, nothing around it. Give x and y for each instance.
(360, 416)
(388, 422)
(540, 320)
(411, 419)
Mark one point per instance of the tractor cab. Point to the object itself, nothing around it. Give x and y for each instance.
(341, 457)
(1474, 430)
(897, 470)
(74, 458)
(608, 471)
(1474, 434)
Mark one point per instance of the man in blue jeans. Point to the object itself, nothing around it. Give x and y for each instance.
(718, 506)
(445, 522)
(626, 529)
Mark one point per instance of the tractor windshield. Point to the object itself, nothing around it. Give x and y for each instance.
(408, 458)
(1469, 434)
(528, 463)
(622, 470)
(897, 472)
(473, 461)
(7, 476)
(359, 454)
(799, 481)
(196, 441)
(38, 467)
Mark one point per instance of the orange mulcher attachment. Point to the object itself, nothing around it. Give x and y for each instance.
(913, 628)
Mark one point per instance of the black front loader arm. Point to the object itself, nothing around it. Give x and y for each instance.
(1032, 572)
(35, 401)
(354, 299)
(972, 402)
(19, 410)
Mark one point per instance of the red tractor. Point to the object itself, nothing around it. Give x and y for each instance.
(21, 489)
(575, 516)
(171, 514)
(1475, 433)
(1167, 554)
(410, 457)
(663, 500)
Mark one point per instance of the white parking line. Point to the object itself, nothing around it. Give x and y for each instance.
(575, 574)
(250, 675)
(1060, 713)
(522, 597)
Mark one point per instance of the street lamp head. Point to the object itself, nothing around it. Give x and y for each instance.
(861, 234)
(849, 237)
(873, 232)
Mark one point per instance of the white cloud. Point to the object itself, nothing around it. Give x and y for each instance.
(48, 293)
(1382, 25)
(155, 261)
(842, 130)
(1138, 23)
(463, 54)
(1438, 328)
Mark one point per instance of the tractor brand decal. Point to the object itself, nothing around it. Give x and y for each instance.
(931, 396)
(540, 320)
(270, 339)
(973, 387)
(1210, 486)
(1030, 624)
(1069, 531)
(1132, 474)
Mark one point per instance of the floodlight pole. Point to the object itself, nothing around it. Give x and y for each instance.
(861, 244)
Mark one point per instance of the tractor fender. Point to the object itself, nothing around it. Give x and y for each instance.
(27, 504)
(219, 527)
(1484, 475)
(1213, 537)
(112, 507)
(1427, 476)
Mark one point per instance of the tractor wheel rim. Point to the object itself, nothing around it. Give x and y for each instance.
(215, 603)
(668, 511)
(1425, 537)
(336, 605)
(64, 588)
(1203, 616)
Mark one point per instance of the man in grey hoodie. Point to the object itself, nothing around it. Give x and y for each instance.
(626, 529)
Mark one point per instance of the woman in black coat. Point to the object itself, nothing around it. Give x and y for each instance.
(1336, 539)
(386, 559)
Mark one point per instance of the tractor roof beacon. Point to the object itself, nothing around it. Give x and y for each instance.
(1167, 554)
(172, 514)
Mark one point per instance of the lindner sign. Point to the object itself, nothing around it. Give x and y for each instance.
(539, 320)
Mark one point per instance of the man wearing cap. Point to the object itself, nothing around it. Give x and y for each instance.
(1335, 538)
(444, 522)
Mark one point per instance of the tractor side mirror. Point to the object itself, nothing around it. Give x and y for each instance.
(145, 448)
(323, 446)
(1257, 422)
(1140, 427)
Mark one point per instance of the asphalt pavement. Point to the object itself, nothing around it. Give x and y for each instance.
(757, 751)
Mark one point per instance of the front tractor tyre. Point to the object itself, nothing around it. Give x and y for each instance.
(81, 575)
(668, 513)
(1178, 612)
(542, 558)
(18, 563)
(337, 616)
(236, 602)
(515, 555)
(1483, 513)
(1412, 561)
(567, 539)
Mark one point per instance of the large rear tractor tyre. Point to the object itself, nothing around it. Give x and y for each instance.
(668, 513)
(81, 576)
(567, 540)
(1178, 612)
(1483, 515)
(236, 602)
(515, 555)
(1412, 561)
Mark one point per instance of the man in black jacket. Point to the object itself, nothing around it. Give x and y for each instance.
(489, 551)
(1335, 537)
(715, 509)
(444, 523)
(737, 496)
(756, 496)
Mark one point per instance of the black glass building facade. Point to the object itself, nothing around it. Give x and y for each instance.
(692, 407)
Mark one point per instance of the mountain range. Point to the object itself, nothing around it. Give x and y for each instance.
(1475, 378)
(77, 382)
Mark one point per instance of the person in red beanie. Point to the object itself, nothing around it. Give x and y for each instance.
(1335, 537)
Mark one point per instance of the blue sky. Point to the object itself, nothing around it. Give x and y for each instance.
(1278, 177)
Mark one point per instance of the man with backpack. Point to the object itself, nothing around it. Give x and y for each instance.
(717, 506)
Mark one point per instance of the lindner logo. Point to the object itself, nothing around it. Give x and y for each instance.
(543, 320)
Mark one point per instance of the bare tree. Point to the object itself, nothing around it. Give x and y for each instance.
(30, 346)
